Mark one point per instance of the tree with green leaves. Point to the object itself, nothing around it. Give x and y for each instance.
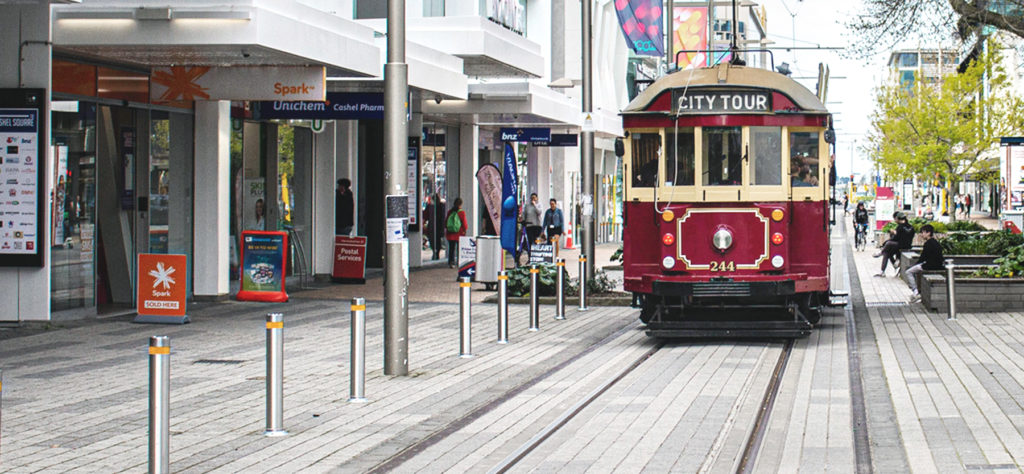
(947, 130)
(881, 24)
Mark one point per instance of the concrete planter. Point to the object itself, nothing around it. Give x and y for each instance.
(973, 294)
(971, 262)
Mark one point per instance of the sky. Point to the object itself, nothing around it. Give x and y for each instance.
(851, 88)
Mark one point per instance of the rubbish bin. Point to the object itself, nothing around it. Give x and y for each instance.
(488, 259)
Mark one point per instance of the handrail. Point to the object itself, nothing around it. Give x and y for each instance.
(770, 53)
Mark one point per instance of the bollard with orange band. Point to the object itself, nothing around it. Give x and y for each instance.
(502, 307)
(465, 319)
(534, 290)
(583, 283)
(357, 353)
(159, 404)
(560, 289)
(275, 375)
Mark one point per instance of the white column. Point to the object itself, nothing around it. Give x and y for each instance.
(543, 174)
(346, 145)
(324, 184)
(469, 138)
(25, 29)
(212, 198)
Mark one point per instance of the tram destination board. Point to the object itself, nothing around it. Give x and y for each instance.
(704, 101)
(22, 195)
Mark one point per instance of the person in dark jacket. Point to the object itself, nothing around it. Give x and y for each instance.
(902, 240)
(930, 259)
(554, 222)
(344, 208)
(437, 229)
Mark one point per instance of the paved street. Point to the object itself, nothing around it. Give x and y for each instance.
(592, 393)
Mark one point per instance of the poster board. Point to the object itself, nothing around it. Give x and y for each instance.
(349, 259)
(23, 177)
(162, 289)
(467, 257)
(542, 253)
(885, 205)
(413, 183)
(262, 266)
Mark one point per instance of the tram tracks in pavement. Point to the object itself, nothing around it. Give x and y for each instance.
(751, 449)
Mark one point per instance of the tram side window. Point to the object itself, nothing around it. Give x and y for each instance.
(766, 156)
(646, 151)
(679, 159)
(723, 156)
(803, 159)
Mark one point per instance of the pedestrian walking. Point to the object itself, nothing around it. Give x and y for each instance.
(531, 219)
(344, 205)
(437, 229)
(554, 222)
(967, 205)
(455, 227)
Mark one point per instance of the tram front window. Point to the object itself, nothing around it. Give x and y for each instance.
(723, 156)
(679, 161)
(646, 152)
(766, 156)
(803, 159)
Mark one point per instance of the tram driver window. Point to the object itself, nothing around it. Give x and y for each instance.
(679, 159)
(766, 156)
(723, 156)
(803, 159)
(646, 152)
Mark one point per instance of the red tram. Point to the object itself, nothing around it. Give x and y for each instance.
(726, 173)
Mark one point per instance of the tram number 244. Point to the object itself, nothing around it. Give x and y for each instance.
(723, 266)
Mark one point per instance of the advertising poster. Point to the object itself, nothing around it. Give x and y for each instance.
(60, 178)
(1015, 176)
(162, 288)
(885, 206)
(255, 209)
(641, 21)
(349, 259)
(509, 200)
(21, 205)
(488, 177)
(691, 33)
(262, 266)
(467, 257)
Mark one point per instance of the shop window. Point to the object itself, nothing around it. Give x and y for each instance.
(679, 169)
(723, 156)
(646, 154)
(766, 156)
(803, 159)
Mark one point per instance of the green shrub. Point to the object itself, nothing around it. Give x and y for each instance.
(519, 280)
(991, 243)
(600, 284)
(617, 256)
(965, 226)
(1009, 266)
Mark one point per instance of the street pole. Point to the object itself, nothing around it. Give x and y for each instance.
(396, 243)
(587, 142)
(670, 6)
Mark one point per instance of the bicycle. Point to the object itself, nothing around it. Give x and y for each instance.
(860, 236)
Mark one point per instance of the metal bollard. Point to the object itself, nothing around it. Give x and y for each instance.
(465, 319)
(583, 284)
(159, 404)
(560, 288)
(534, 288)
(275, 375)
(950, 290)
(357, 353)
(502, 307)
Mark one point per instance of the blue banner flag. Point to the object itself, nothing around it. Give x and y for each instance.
(509, 200)
(641, 22)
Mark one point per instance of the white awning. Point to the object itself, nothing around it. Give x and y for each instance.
(486, 48)
(149, 33)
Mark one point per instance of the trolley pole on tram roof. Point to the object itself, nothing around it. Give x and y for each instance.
(396, 210)
(587, 144)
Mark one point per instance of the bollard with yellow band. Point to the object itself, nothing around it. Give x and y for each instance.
(560, 289)
(357, 353)
(583, 284)
(275, 375)
(465, 319)
(502, 307)
(159, 404)
(534, 290)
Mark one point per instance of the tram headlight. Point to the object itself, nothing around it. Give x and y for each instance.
(668, 262)
(722, 239)
(777, 238)
(777, 261)
(668, 239)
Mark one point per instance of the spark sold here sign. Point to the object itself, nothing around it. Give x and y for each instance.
(163, 280)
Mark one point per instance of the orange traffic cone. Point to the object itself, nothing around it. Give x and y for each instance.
(568, 238)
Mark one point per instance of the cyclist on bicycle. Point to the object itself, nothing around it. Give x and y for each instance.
(860, 222)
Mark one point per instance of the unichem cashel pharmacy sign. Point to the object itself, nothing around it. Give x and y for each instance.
(721, 101)
(508, 13)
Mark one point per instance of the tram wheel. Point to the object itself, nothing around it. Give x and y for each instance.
(810, 307)
(648, 307)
